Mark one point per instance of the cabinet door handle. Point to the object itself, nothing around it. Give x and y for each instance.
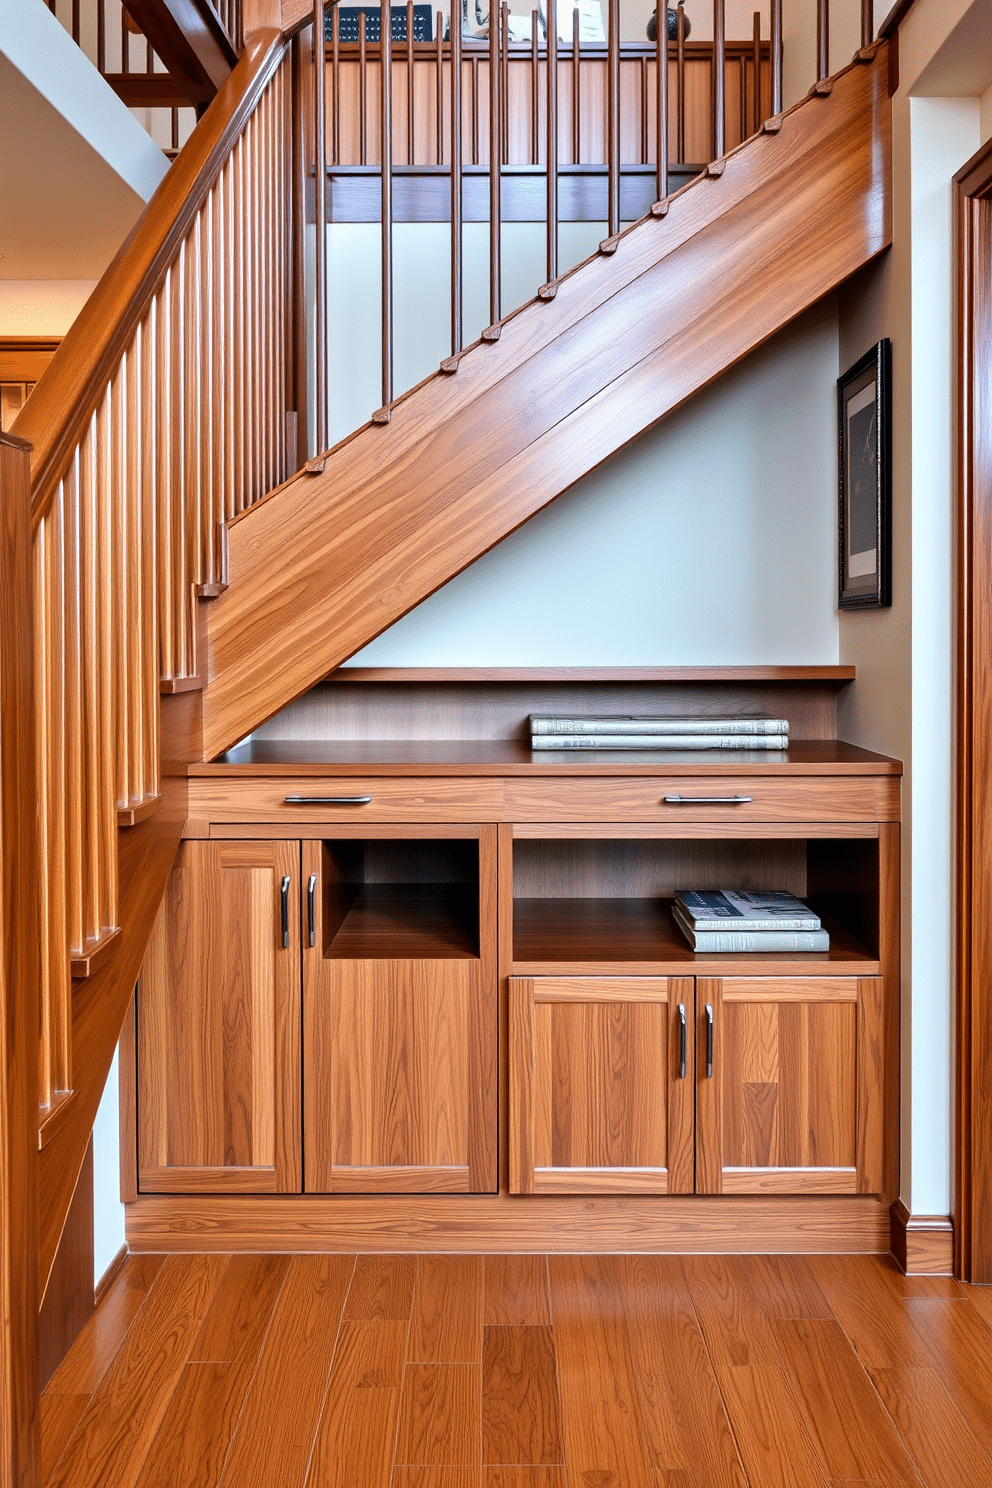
(311, 889)
(706, 800)
(683, 1039)
(284, 898)
(709, 1041)
(328, 800)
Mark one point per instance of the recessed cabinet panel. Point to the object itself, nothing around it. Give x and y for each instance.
(601, 1099)
(789, 1079)
(218, 1024)
(400, 1015)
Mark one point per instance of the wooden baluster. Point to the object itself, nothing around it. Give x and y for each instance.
(756, 119)
(475, 111)
(504, 37)
(101, 35)
(495, 174)
(742, 95)
(75, 23)
(456, 187)
(822, 40)
(386, 211)
(719, 142)
(644, 111)
(175, 129)
(363, 143)
(661, 108)
(336, 85)
(576, 89)
(410, 87)
(552, 145)
(776, 56)
(680, 81)
(149, 57)
(439, 84)
(535, 101)
(613, 120)
(320, 210)
(867, 23)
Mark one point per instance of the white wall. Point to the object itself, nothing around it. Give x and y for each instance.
(41, 307)
(108, 1211)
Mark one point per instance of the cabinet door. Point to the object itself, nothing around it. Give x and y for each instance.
(790, 1085)
(399, 1041)
(601, 1089)
(219, 1024)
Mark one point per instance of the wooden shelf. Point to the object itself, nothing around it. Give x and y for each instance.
(829, 673)
(641, 934)
(408, 922)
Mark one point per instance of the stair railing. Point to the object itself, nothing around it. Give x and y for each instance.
(169, 407)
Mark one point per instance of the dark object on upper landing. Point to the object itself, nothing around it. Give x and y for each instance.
(673, 26)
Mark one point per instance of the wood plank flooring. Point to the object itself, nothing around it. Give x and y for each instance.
(463, 1371)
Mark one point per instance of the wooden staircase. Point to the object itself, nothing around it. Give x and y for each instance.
(321, 566)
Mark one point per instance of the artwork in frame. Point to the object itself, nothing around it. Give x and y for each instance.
(864, 407)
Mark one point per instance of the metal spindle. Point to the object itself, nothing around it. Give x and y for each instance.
(776, 56)
(439, 87)
(386, 180)
(867, 23)
(410, 91)
(822, 40)
(719, 81)
(456, 188)
(320, 216)
(576, 89)
(552, 146)
(504, 36)
(336, 80)
(535, 109)
(661, 109)
(756, 120)
(363, 91)
(495, 206)
(680, 81)
(613, 124)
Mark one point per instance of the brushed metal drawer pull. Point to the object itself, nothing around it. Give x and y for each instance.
(284, 910)
(709, 1041)
(683, 1039)
(328, 800)
(311, 891)
(706, 800)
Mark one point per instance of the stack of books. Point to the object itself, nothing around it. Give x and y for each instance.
(721, 920)
(637, 731)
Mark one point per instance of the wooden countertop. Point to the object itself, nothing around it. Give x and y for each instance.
(423, 757)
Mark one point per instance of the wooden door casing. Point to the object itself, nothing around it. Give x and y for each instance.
(597, 1100)
(795, 1102)
(399, 1054)
(219, 1025)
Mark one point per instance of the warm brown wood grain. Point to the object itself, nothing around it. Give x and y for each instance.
(796, 1097)
(520, 1416)
(218, 1025)
(597, 1103)
(922, 1244)
(440, 1416)
(191, 40)
(516, 1290)
(195, 1435)
(446, 1319)
(525, 435)
(24, 358)
(667, 1224)
(69, 1297)
(400, 1031)
(235, 1326)
(974, 687)
(60, 1415)
(20, 1010)
(82, 1370)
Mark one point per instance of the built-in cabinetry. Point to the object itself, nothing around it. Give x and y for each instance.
(391, 972)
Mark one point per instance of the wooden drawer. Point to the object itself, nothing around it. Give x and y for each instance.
(826, 798)
(349, 800)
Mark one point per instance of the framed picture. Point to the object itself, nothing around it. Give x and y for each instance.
(864, 406)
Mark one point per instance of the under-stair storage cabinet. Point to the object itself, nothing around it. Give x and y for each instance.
(219, 1024)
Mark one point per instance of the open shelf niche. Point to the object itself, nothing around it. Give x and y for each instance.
(401, 899)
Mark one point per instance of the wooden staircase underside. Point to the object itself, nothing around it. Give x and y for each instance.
(328, 561)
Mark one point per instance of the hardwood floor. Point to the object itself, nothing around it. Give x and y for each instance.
(468, 1371)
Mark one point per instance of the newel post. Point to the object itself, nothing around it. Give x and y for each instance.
(19, 983)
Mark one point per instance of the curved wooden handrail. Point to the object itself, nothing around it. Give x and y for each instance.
(68, 391)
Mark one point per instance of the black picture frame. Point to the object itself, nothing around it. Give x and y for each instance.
(864, 494)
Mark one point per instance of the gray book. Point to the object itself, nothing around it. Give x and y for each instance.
(723, 942)
(659, 741)
(630, 723)
(737, 909)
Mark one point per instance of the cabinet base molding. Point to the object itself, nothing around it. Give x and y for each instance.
(503, 1223)
(922, 1244)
